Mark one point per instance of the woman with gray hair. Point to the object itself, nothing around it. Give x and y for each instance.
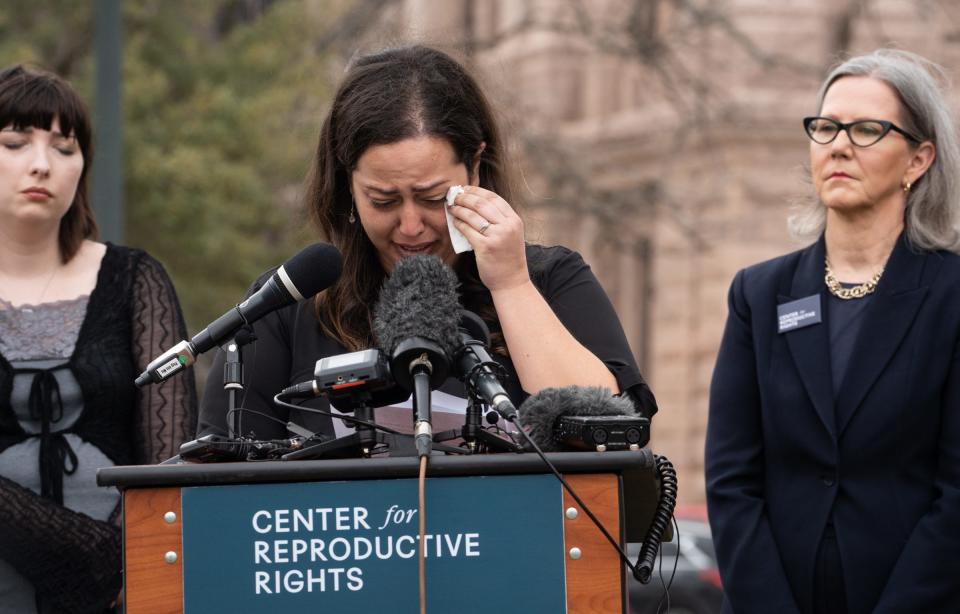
(833, 443)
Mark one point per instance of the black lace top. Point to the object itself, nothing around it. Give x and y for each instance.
(72, 560)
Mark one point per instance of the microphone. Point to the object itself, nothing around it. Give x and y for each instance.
(583, 417)
(314, 268)
(477, 369)
(415, 323)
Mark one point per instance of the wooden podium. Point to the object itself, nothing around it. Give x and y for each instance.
(166, 533)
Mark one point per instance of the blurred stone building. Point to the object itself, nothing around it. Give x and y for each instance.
(662, 140)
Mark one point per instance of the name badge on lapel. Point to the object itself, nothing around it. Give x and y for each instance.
(799, 313)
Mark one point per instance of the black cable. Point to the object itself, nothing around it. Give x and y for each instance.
(254, 411)
(673, 574)
(661, 520)
(508, 434)
(345, 418)
(623, 555)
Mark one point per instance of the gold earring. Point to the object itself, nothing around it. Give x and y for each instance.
(906, 185)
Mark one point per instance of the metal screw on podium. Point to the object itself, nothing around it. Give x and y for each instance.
(572, 513)
(575, 553)
(170, 517)
(170, 557)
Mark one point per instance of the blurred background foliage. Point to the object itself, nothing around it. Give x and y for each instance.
(222, 104)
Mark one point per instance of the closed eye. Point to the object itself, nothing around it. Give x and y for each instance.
(13, 139)
(381, 204)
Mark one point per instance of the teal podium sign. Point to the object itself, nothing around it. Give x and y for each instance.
(493, 544)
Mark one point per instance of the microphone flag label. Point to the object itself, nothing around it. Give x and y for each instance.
(352, 546)
(174, 364)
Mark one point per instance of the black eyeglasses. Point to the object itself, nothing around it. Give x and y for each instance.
(863, 133)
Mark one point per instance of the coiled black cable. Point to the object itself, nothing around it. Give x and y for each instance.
(661, 519)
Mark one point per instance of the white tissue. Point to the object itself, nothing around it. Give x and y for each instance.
(459, 242)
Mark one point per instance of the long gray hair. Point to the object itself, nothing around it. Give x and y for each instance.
(932, 217)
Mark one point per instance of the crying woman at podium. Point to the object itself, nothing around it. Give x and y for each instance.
(411, 160)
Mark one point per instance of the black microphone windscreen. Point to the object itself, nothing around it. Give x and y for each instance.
(539, 413)
(419, 299)
(314, 268)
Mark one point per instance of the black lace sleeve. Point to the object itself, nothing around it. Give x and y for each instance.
(167, 412)
(72, 560)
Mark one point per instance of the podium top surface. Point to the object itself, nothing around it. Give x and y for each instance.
(198, 474)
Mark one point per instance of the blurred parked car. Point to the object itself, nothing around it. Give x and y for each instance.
(696, 587)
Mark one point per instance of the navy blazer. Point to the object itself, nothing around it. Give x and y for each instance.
(882, 458)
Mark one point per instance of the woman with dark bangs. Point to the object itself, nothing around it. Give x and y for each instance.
(78, 320)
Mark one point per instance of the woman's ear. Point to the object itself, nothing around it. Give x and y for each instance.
(475, 169)
(920, 162)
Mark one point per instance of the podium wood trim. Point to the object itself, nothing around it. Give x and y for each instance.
(152, 585)
(595, 582)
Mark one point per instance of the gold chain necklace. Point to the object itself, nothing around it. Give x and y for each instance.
(839, 291)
